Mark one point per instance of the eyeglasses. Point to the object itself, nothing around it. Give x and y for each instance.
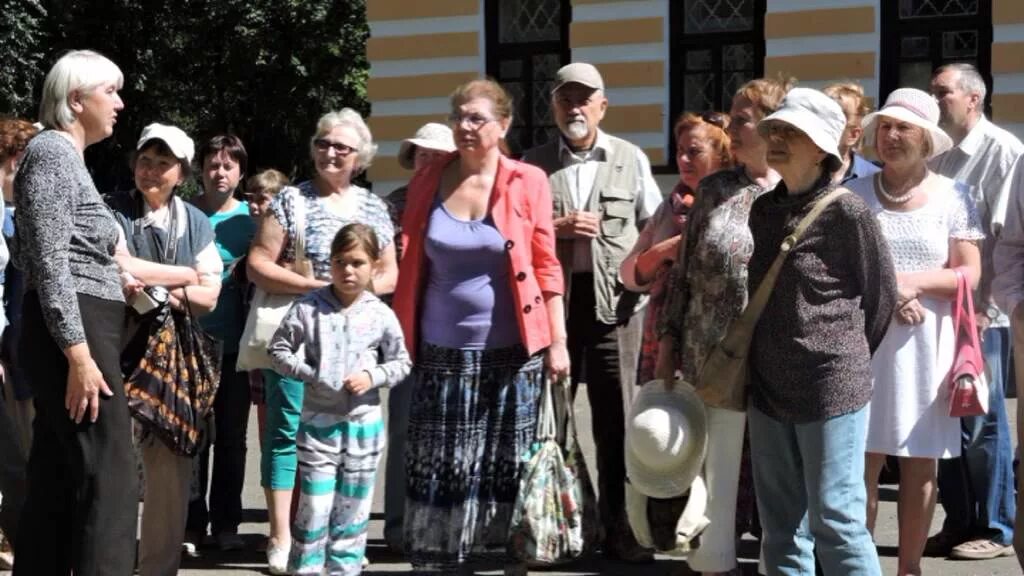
(475, 121)
(716, 118)
(780, 130)
(323, 145)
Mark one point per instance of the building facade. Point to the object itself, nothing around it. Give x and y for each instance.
(662, 57)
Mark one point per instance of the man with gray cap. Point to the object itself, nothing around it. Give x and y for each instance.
(976, 489)
(602, 191)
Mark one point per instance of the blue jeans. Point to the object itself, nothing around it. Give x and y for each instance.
(977, 489)
(809, 480)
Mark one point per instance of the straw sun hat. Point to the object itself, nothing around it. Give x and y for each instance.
(915, 107)
(432, 136)
(666, 439)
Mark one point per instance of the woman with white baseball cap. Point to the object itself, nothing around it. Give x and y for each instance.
(810, 354)
(169, 243)
(932, 227)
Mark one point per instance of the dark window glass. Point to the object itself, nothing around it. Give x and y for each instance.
(918, 36)
(717, 46)
(527, 42)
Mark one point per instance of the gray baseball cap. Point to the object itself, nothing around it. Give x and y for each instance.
(580, 73)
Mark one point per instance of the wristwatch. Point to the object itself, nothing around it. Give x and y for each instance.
(992, 312)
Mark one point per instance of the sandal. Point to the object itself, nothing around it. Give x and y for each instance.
(981, 549)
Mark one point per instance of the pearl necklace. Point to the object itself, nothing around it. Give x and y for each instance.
(895, 199)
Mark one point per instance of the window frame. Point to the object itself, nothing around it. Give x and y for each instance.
(496, 52)
(680, 42)
(894, 29)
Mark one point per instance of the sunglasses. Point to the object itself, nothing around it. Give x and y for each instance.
(715, 118)
(323, 145)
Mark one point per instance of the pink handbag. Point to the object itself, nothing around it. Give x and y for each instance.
(968, 388)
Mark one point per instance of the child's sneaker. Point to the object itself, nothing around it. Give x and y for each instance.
(277, 557)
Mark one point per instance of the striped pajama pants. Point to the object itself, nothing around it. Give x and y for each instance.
(338, 457)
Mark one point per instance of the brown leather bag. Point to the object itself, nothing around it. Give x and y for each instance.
(723, 378)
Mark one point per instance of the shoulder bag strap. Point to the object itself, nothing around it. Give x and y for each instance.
(743, 326)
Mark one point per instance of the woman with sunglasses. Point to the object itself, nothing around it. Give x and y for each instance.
(342, 148)
(702, 148)
(706, 292)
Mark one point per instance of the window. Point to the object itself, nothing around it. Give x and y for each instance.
(918, 36)
(527, 42)
(717, 46)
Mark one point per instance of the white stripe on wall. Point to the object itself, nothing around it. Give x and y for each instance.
(644, 139)
(412, 107)
(631, 96)
(619, 53)
(799, 5)
(618, 11)
(385, 28)
(384, 187)
(822, 44)
(1008, 33)
(420, 66)
(388, 147)
(870, 85)
(1008, 83)
(1017, 129)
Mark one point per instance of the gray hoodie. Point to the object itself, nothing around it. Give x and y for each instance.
(320, 342)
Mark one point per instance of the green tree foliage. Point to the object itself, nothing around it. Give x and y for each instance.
(263, 69)
(21, 35)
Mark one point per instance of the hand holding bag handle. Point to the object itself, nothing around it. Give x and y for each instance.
(266, 310)
(723, 378)
(967, 386)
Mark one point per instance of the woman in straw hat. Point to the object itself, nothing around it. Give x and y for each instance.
(932, 227)
(809, 359)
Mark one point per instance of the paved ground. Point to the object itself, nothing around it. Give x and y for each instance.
(251, 560)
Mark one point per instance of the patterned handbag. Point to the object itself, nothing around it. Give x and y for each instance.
(171, 391)
(555, 515)
(968, 388)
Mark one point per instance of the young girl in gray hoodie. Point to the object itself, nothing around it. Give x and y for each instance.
(344, 344)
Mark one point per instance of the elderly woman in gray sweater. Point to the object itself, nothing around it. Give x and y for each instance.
(80, 514)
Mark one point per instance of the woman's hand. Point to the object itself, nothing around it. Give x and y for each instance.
(911, 314)
(85, 384)
(557, 360)
(663, 253)
(907, 289)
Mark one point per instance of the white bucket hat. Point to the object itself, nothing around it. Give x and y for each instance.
(432, 136)
(915, 107)
(180, 144)
(666, 439)
(813, 113)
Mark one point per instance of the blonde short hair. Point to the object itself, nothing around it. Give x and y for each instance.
(77, 71)
(354, 120)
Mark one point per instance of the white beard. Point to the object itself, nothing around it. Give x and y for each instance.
(577, 129)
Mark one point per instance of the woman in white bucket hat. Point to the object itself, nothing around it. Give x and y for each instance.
(810, 354)
(932, 227)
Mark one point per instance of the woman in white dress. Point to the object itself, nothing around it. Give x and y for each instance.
(932, 227)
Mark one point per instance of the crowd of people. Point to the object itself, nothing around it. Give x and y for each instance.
(467, 290)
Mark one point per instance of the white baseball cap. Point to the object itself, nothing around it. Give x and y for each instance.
(813, 113)
(180, 144)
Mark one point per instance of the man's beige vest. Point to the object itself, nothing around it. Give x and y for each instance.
(614, 197)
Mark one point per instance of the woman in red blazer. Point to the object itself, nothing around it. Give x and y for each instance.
(479, 297)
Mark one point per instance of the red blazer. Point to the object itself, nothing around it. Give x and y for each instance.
(521, 208)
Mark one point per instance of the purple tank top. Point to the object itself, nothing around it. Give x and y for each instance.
(468, 303)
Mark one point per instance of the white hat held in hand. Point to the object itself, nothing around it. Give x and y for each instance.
(432, 136)
(180, 144)
(915, 107)
(813, 113)
(666, 439)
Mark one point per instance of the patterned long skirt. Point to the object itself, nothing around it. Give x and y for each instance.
(472, 420)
